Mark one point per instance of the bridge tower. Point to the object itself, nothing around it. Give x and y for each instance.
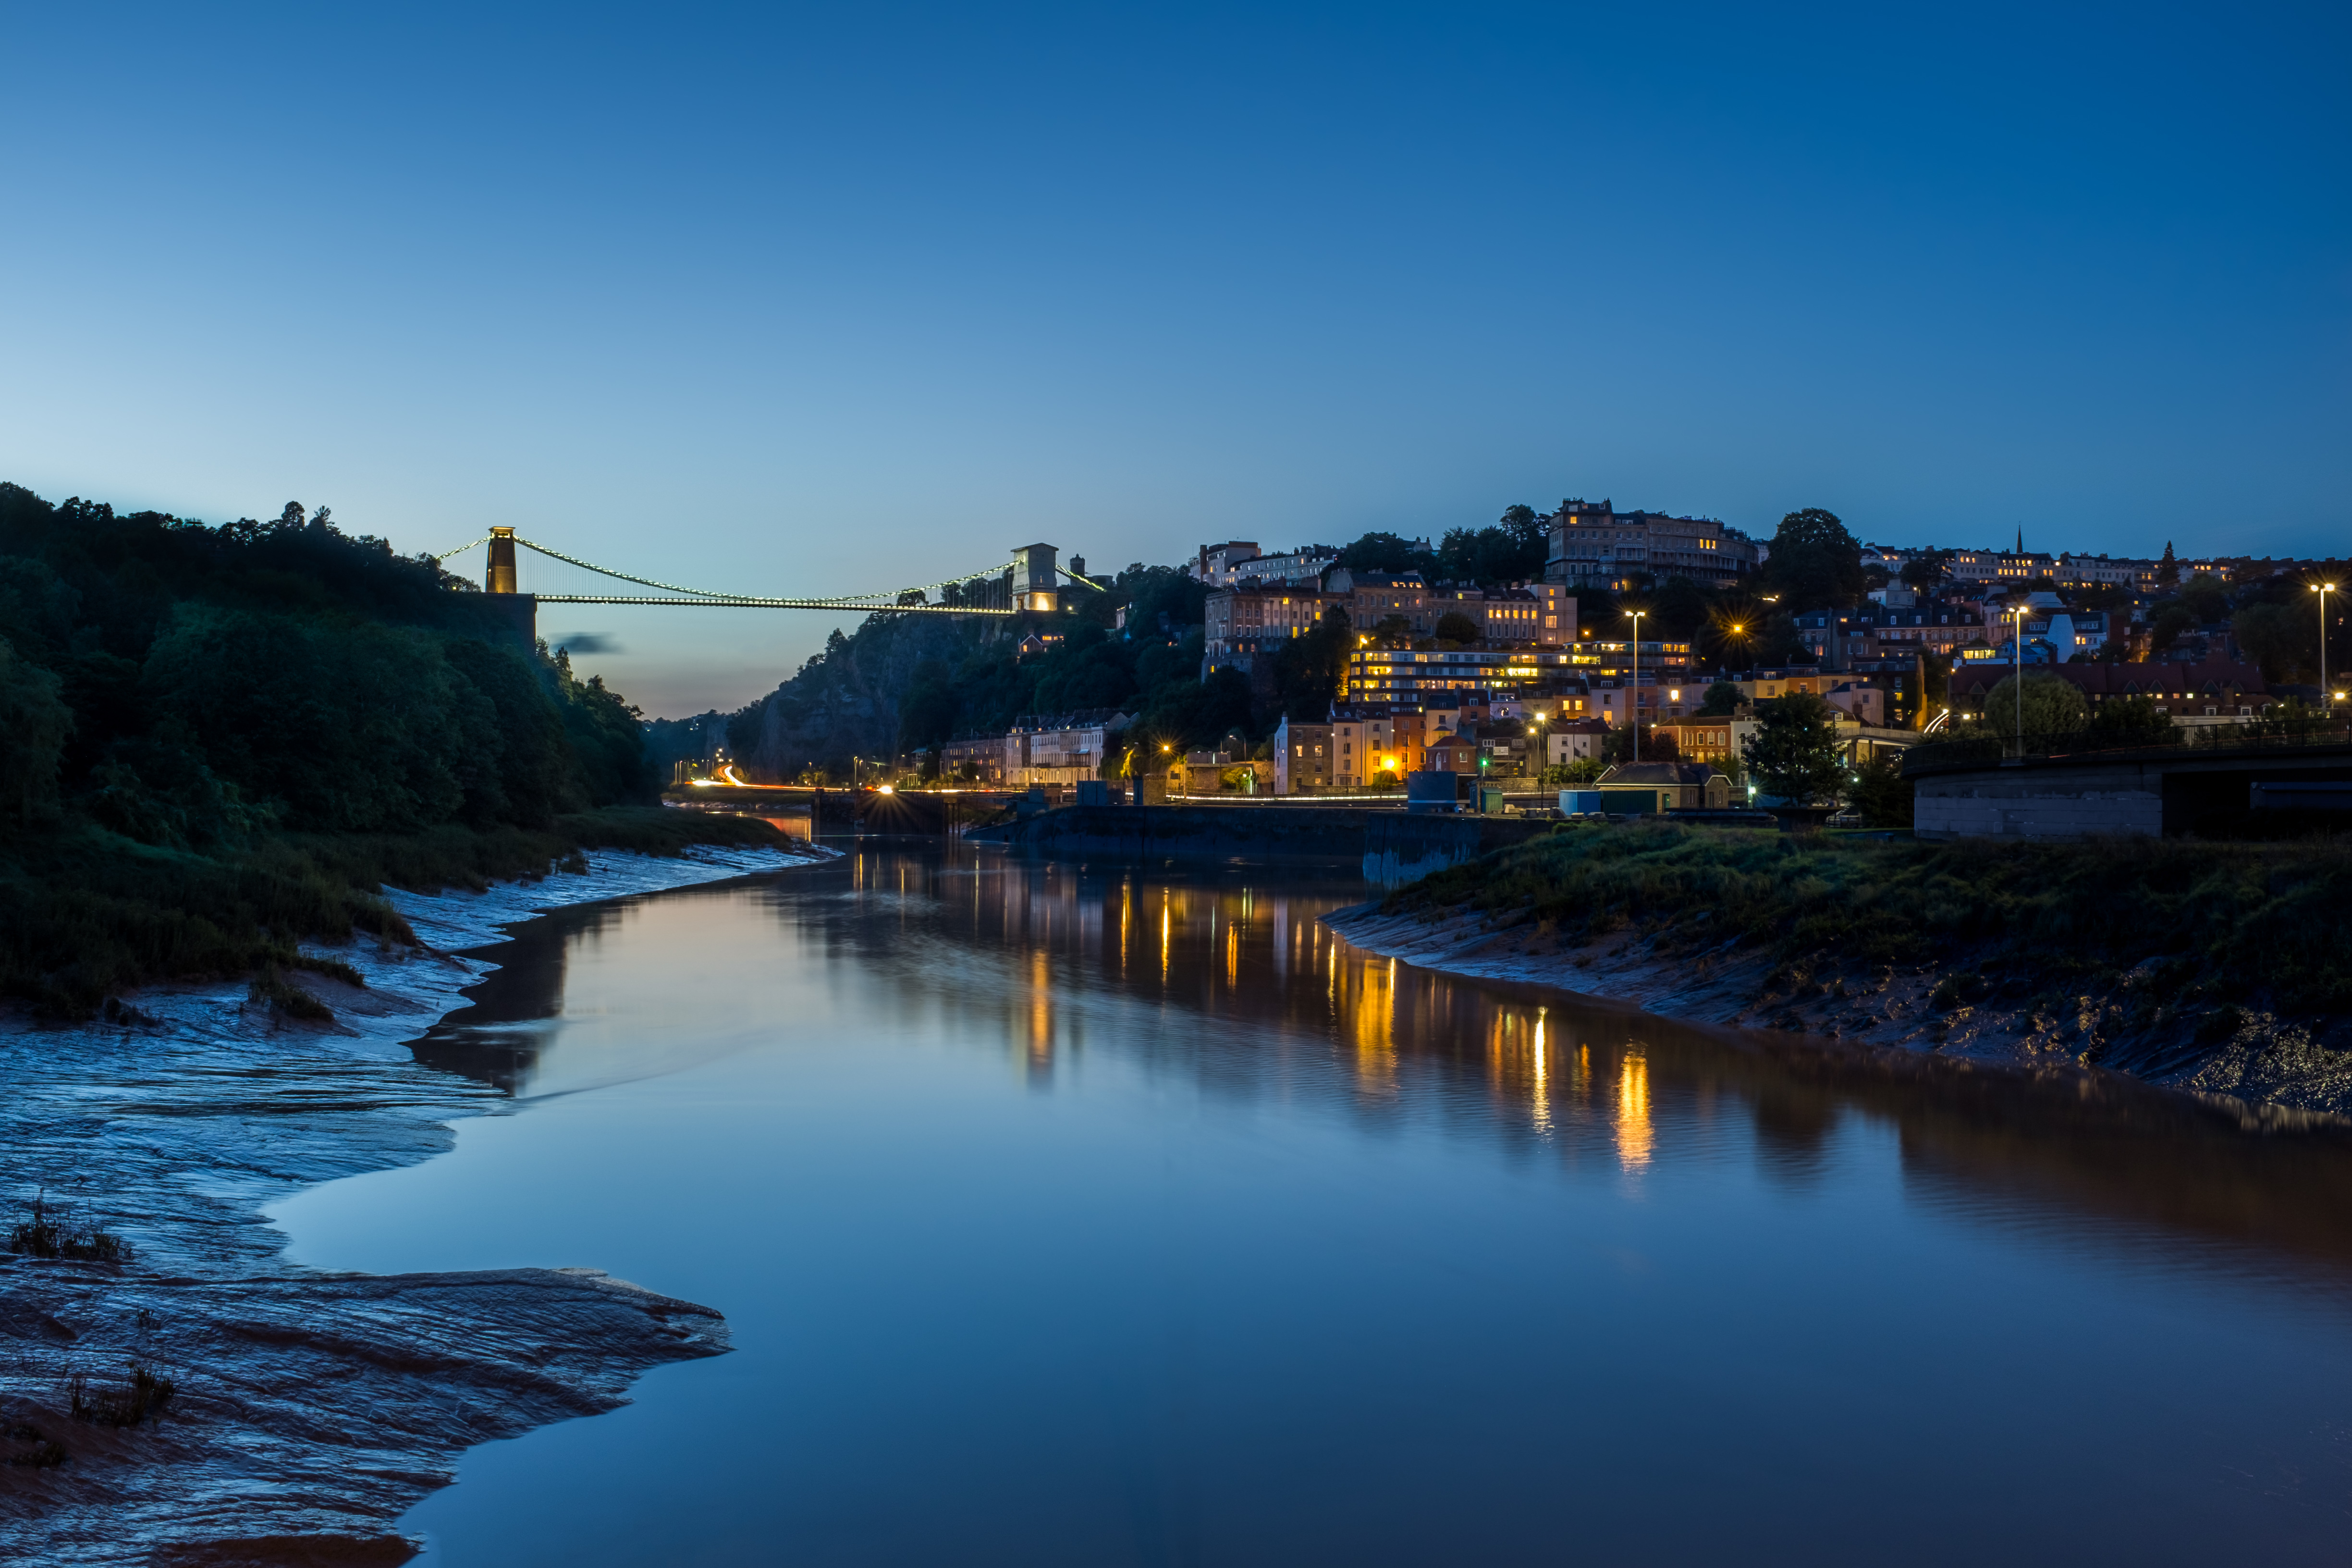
(1035, 583)
(519, 611)
(501, 579)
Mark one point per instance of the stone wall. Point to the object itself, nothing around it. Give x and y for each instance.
(2041, 802)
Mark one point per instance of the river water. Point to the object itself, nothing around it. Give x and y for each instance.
(1082, 1214)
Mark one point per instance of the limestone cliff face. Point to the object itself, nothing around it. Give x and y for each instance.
(844, 702)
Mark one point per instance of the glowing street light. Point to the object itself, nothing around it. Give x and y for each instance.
(2323, 590)
(2017, 664)
(1633, 697)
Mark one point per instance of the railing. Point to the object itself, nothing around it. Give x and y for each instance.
(2254, 735)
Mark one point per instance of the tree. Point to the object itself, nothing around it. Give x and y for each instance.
(1568, 775)
(2205, 598)
(1151, 593)
(1815, 563)
(2170, 622)
(2131, 721)
(2052, 707)
(1681, 609)
(1386, 552)
(1723, 699)
(1794, 753)
(1925, 570)
(1882, 794)
(1392, 631)
(2283, 643)
(1513, 551)
(1308, 670)
(2168, 570)
(1776, 641)
(34, 723)
(1454, 626)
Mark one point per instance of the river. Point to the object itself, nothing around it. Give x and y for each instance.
(1074, 1213)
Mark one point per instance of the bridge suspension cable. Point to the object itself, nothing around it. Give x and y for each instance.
(880, 600)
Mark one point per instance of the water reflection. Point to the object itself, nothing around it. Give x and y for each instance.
(1249, 995)
(1073, 1214)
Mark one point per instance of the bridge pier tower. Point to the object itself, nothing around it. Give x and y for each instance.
(1036, 582)
(519, 612)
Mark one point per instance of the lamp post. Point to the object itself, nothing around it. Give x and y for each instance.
(2017, 668)
(1633, 697)
(2323, 590)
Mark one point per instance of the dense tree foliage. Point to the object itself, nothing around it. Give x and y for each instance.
(1513, 551)
(2049, 705)
(1723, 699)
(1815, 563)
(218, 743)
(1389, 553)
(1794, 753)
(180, 684)
(1308, 670)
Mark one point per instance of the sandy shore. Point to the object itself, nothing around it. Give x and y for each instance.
(308, 1411)
(2272, 1068)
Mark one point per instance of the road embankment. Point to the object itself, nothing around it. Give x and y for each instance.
(2212, 968)
(200, 1400)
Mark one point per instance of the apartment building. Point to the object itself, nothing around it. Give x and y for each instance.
(1240, 623)
(2017, 566)
(1410, 678)
(1366, 746)
(1598, 546)
(979, 759)
(1541, 614)
(1302, 758)
(1842, 639)
(2100, 570)
(1372, 597)
(1060, 749)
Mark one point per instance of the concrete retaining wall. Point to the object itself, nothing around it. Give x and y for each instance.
(2039, 803)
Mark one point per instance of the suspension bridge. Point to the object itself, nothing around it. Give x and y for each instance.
(1030, 582)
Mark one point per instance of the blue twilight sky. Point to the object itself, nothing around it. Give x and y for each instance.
(827, 298)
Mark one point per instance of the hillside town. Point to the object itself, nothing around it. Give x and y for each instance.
(1632, 656)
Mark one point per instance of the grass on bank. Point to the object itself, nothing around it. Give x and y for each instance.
(86, 913)
(2228, 922)
(52, 1231)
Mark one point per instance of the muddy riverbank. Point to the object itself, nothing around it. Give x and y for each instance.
(203, 1402)
(2272, 1066)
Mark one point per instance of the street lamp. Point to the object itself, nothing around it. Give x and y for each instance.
(1634, 700)
(2323, 590)
(2017, 666)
